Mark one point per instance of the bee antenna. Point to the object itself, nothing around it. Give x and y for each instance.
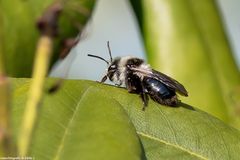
(91, 55)
(109, 51)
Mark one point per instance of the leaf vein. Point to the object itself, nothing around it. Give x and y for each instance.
(169, 124)
(221, 138)
(170, 144)
(61, 145)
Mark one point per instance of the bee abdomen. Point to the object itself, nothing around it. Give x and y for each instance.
(160, 92)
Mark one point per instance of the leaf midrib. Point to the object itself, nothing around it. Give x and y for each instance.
(61, 145)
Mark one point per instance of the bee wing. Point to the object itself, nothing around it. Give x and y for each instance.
(170, 82)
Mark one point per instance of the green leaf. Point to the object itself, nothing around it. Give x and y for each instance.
(20, 35)
(88, 120)
(75, 127)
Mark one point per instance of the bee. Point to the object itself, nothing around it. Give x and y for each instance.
(139, 78)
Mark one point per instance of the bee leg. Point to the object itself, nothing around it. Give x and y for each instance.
(144, 97)
(136, 86)
(131, 87)
(103, 79)
(118, 85)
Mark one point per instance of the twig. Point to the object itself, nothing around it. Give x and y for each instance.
(48, 27)
(5, 134)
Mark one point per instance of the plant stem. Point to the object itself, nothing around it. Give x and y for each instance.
(5, 135)
(43, 54)
(4, 116)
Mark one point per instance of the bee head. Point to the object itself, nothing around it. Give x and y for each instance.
(112, 64)
(113, 68)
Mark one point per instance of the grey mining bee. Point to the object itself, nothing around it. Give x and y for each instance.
(138, 77)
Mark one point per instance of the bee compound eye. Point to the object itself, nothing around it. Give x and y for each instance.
(129, 65)
(113, 66)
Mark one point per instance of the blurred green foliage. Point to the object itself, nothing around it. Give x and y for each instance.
(20, 35)
(185, 39)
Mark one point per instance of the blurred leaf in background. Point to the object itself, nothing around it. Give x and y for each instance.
(20, 34)
(186, 40)
(20, 38)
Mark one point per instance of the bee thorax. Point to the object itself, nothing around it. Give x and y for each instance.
(142, 70)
